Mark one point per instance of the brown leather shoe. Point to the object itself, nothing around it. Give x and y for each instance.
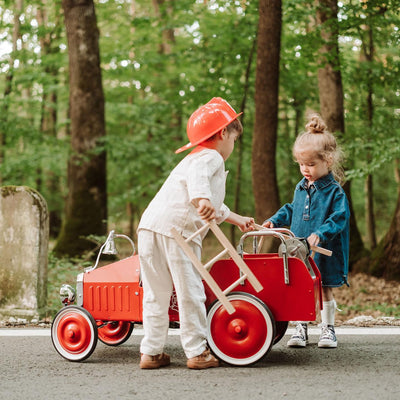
(153, 362)
(203, 361)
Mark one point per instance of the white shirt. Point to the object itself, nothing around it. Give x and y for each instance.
(198, 175)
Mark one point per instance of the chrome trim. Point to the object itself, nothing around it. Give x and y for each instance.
(110, 243)
(67, 294)
(79, 289)
(278, 233)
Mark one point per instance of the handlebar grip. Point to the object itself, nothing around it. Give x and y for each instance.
(321, 250)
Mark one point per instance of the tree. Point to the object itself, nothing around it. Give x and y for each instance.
(19, 4)
(331, 96)
(49, 40)
(150, 94)
(86, 205)
(265, 185)
(386, 257)
(239, 162)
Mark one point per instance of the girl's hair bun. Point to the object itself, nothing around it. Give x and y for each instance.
(319, 142)
(316, 124)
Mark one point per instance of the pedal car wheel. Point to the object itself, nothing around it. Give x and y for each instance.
(74, 333)
(115, 333)
(243, 337)
(281, 327)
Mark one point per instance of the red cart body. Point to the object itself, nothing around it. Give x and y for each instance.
(297, 301)
(114, 292)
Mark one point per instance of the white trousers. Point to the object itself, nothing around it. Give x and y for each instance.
(164, 265)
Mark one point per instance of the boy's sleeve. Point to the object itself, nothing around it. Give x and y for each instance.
(283, 217)
(337, 220)
(223, 214)
(198, 179)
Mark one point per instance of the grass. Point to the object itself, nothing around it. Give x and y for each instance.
(383, 309)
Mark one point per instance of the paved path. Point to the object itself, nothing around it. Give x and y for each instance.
(365, 366)
(175, 332)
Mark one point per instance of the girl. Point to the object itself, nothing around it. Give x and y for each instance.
(319, 212)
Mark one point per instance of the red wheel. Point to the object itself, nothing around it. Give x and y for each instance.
(115, 333)
(243, 337)
(74, 333)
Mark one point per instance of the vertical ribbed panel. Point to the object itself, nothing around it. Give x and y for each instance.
(119, 298)
(127, 301)
(98, 297)
(106, 301)
(91, 298)
(115, 301)
(112, 299)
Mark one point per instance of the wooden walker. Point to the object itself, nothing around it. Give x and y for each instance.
(203, 269)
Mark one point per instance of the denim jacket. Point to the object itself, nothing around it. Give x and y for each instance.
(322, 209)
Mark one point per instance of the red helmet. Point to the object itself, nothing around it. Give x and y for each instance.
(208, 120)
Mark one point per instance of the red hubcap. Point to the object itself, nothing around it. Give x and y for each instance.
(241, 334)
(74, 333)
(114, 331)
(237, 328)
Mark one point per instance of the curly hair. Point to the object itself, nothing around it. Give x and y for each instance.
(319, 142)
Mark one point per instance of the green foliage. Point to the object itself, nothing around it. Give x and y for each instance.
(153, 81)
(151, 91)
(60, 271)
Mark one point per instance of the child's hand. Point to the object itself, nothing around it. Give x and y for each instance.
(206, 210)
(268, 224)
(313, 240)
(246, 224)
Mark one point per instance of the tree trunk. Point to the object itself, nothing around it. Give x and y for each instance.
(239, 146)
(386, 257)
(19, 5)
(265, 187)
(331, 97)
(369, 206)
(163, 9)
(369, 211)
(86, 207)
(48, 121)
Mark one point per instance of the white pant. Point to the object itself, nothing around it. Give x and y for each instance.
(163, 264)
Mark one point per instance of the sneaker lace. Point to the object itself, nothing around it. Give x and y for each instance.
(300, 331)
(327, 332)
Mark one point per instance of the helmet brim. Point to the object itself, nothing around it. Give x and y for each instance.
(203, 139)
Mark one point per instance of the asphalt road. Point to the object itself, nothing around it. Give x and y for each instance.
(364, 366)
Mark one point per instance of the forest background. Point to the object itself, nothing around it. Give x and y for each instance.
(158, 62)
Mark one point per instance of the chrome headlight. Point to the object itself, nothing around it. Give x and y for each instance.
(67, 294)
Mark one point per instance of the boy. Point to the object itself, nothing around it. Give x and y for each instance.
(192, 194)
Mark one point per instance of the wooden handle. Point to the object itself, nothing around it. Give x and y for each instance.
(321, 250)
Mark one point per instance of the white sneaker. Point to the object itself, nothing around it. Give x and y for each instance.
(328, 337)
(300, 337)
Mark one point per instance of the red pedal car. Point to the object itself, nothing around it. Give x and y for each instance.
(244, 321)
